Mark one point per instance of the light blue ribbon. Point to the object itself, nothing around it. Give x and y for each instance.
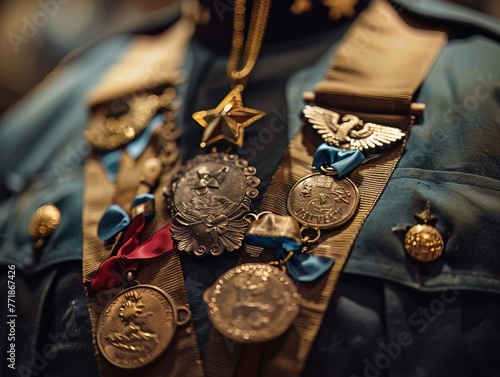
(306, 267)
(274, 243)
(111, 160)
(114, 220)
(343, 162)
(301, 266)
(143, 199)
(111, 163)
(135, 148)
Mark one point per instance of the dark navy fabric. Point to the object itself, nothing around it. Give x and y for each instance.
(390, 315)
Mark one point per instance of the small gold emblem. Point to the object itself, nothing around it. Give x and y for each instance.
(43, 223)
(423, 242)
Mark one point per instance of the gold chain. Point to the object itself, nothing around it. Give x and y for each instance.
(258, 22)
(227, 122)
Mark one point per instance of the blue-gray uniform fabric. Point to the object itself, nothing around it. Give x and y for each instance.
(390, 316)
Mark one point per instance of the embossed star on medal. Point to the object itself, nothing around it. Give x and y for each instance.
(213, 193)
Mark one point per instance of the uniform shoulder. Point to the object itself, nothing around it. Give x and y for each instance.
(457, 20)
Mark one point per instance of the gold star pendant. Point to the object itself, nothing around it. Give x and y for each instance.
(228, 120)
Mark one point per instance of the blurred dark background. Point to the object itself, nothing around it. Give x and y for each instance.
(37, 34)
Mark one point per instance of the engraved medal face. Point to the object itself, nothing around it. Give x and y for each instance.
(209, 202)
(252, 303)
(136, 326)
(424, 243)
(322, 201)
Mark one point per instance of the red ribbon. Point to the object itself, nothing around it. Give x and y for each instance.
(111, 271)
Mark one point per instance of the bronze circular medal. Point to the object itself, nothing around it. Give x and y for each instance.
(209, 201)
(424, 243)
(136, 326)
(253, 302)
(323, 201)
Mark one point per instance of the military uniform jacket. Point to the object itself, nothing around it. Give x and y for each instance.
(438, 320)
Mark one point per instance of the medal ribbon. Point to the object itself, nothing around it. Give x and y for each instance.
(164, 271)
(283, 233)
(110, 272)
(343, 162)
(299, 265)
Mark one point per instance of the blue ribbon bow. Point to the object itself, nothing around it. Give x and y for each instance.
(288, 253)
(343, 162)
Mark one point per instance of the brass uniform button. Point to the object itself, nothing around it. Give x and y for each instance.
(43, 223)
(424, 243)
(150, 173)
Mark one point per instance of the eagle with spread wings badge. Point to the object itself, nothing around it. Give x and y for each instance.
(352, 133)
